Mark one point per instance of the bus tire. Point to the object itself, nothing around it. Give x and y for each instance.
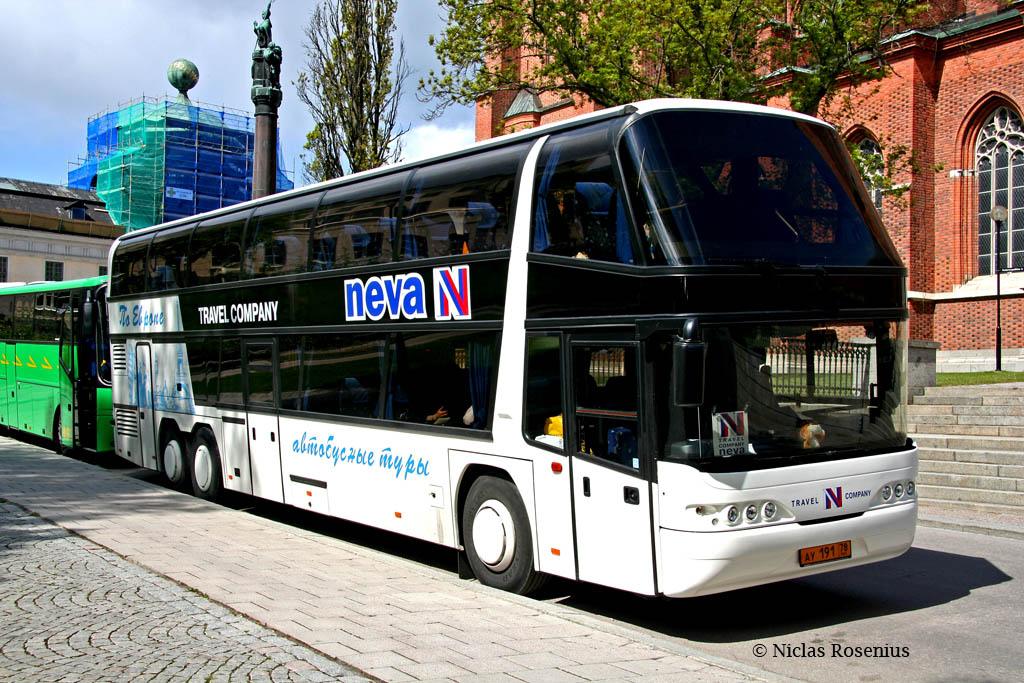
(173, 459)
(58, 445)
(496, 536)
(205, 469)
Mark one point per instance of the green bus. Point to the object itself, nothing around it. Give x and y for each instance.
(55, 363)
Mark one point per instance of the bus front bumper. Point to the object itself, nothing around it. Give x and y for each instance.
(693, 563)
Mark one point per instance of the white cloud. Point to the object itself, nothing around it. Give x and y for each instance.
(432, 139)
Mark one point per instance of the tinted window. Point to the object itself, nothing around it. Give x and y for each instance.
(355, 223)
(605, 393)
(47, 322)
(129, 276)
(748, 188)
(230, 386)
(341, 374)
(277, 239)
(289, 358)
(442, 378)
(24, 313)
(203, 359)
(259, 374)
(168, 259)
(578, 209)
(461, 206)
(215, 254)
(6, 317)
(543, 410)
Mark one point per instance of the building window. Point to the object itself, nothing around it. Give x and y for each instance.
(54, 271)
(999, 160)
(3, 269)
(102, 271)
(874, 169)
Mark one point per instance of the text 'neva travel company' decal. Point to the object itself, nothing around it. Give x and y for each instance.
(730, 433)
(404, 296)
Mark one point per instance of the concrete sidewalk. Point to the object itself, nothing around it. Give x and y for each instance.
(385, 616)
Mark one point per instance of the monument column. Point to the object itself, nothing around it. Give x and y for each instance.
(266, 95)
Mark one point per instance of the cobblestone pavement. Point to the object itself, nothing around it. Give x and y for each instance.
(381, 614)
(73, 611)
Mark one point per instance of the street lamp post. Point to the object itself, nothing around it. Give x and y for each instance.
(999, 216)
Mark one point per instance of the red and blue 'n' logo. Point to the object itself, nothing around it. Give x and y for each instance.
(834, 497)
(733, 424)
(451, 293)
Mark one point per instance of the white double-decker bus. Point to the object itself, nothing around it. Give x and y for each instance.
(659, 348)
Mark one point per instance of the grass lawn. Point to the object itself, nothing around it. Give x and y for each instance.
(955, 379)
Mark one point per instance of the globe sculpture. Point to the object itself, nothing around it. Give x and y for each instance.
(183, 75)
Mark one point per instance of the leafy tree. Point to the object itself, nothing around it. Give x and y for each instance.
(611, 51)
(352, 87)
(618, 51)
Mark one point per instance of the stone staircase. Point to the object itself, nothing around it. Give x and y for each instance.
(971, 446)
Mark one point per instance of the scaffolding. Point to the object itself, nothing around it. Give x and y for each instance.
(157, 160)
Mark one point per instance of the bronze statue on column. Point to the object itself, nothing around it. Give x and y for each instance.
(266, 95)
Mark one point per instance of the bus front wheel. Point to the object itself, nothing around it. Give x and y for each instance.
(496, 536)
(206, 477)
(172, 460)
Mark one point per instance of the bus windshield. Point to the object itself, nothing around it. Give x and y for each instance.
(775, 392)
(731, 188)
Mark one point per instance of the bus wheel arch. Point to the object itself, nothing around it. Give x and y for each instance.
(174, 452)
(204, 458)
(495, 531)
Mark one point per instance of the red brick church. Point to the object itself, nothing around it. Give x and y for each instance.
(956, 98)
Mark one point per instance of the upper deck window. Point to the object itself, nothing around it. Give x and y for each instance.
(129, 276)
(462, 206)
(215, 253)
(277, 240)
(355, 223)
(578, 210)
(722, 187)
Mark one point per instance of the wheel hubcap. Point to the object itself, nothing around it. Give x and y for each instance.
(173, 460)
(494, 535)
(204, 466)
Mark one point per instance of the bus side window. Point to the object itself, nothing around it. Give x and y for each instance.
(355, 224)
(129, 276)
(579, 211)
(215, 253)
(168, 259)
(442, 379)
(204, 359)
(462, 206)
(23, 316)
(6, 317)
(278, 244)
(542, 412)
(230, 375)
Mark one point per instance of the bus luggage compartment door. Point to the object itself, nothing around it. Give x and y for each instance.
(147, 457)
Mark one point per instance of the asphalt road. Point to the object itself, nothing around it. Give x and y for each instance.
(950, 609)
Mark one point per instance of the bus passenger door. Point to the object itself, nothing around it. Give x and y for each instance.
(66, 379)
(611, 491)
(144, 400)
(260, 385)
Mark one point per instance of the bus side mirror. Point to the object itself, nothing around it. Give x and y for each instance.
(687, 372)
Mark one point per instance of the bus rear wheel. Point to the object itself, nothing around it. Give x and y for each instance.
(205, 470)
(173, 461)
(496, 536)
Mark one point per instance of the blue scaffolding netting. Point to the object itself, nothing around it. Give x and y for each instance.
(153, 161)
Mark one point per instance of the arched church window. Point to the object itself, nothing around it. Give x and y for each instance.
(874, 169)
(999, 160)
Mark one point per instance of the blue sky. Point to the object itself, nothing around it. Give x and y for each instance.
(67, 60)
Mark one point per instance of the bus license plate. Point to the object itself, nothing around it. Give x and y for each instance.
(825, 553)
